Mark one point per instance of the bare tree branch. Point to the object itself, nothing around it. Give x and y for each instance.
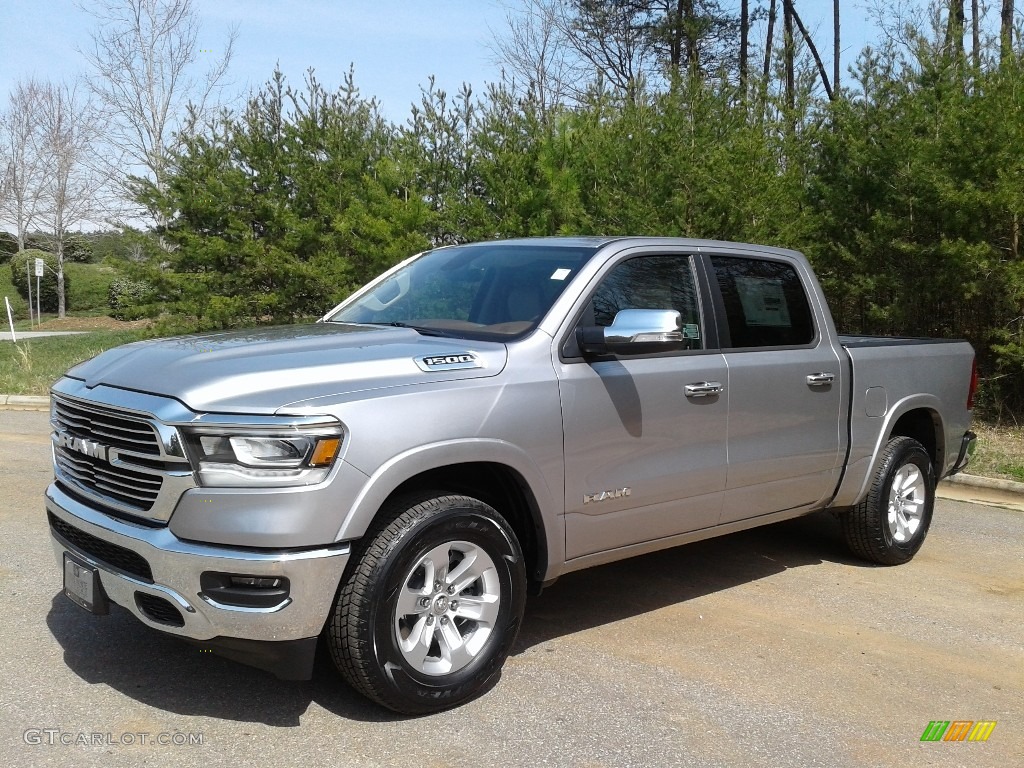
(975, 35)
(836, 51)
(534, 51)
(614, 37)
(73, 185)
(789, 52)
(744, 44)
(814, 52)
(955, 24)
(22, 158)
(145, 57)
(769, 40)
(1006, 29)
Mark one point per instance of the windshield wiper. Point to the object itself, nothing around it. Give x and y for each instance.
(422, 330)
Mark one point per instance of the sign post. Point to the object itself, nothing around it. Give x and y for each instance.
(40, 266)
(28, 279)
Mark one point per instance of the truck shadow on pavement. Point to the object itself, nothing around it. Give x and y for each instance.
(627, 588)
(171, 675)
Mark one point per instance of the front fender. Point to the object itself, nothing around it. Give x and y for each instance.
(404, 466)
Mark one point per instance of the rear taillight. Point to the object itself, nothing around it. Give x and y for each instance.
(974, 385)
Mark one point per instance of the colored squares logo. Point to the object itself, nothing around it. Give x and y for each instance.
(958, 730)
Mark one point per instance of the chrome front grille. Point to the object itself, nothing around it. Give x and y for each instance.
(114, 429)
(126, 462)
(130, 488)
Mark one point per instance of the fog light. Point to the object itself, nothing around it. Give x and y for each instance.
(254, 581)
(245, 591)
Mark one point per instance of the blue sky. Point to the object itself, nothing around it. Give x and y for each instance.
(395, 45)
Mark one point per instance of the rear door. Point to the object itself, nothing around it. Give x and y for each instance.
(785, 387)
(643, 460)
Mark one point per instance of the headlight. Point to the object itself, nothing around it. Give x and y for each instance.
(226, 457)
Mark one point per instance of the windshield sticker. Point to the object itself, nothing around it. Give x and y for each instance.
(560, 273)
(460, 361)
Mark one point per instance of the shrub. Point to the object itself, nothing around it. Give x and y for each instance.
(92, 285)
(19, 307)
(8, 243)
(128, 299)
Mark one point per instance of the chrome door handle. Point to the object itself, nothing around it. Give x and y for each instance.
(704, 389)
(820, 379)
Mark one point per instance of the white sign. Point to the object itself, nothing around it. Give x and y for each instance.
(764, 301)
(39, 268)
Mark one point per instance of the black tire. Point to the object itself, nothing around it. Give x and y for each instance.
(892, 537)
(366, 633)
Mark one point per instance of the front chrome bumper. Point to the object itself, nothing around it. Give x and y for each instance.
(176, 566)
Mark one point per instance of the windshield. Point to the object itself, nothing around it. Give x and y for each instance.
(486, 290)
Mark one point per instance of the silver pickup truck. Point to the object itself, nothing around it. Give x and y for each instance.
(393, 480)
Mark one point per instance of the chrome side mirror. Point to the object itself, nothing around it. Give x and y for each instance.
(633, 332)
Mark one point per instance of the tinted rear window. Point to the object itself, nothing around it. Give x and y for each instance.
(765, 303)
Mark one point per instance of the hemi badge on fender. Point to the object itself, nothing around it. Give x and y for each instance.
(458, 361)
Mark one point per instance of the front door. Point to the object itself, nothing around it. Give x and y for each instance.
(643, 458)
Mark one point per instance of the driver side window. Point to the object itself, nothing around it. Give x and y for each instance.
(651, 282)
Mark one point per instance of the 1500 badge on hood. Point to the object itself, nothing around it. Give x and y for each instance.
(457, 362)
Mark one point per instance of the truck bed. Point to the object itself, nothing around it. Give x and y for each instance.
(855, 342)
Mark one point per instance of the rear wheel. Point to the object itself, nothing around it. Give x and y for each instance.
(890, 524)
(432, 605)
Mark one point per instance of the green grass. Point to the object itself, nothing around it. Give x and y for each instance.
(1013, 472)
(32, 365)
(1000, 452)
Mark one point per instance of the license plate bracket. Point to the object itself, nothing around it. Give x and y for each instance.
(83, 587)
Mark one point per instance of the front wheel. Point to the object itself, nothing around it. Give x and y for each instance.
(889, 526)
(432, 606)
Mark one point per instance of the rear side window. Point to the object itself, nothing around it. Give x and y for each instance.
(765, 303)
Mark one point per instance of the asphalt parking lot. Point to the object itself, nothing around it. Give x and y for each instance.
(767, 648)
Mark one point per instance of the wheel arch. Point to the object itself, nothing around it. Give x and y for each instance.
(924, 425)
(492, 473)
(499, 486)
(918, 417)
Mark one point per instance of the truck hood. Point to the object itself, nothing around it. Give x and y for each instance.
(260, 371)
